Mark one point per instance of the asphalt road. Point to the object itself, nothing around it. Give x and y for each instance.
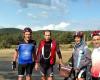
(6, 72)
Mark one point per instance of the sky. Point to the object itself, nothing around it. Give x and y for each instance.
(64, 15)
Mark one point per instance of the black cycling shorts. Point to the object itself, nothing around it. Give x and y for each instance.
(25, 68)
(46, 70)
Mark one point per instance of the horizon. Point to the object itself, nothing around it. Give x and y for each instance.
(45, 29)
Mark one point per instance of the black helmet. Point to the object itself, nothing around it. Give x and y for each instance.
(27, 29)
(78, 34)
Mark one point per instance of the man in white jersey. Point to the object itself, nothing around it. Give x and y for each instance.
(95, 70)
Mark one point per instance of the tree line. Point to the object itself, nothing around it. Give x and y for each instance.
(9, 37)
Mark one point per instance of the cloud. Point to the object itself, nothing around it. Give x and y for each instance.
(25, 3)
(43, 14)
(19, 11)
(49, 27)
(21, 26)
(85, 25)
(31, 16)
(61, 26)
(64, 26)
(55, 4)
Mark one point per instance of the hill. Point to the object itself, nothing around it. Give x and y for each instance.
(11, 36)
(9, 30)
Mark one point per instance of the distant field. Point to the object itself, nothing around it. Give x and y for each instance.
(6, 54)
(66, 54)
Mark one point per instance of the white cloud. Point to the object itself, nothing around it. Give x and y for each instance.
(44, 14)
(21, 26)
(30, 15)
(19, 11)
(36, 28)
(61, 26)
(49, 27)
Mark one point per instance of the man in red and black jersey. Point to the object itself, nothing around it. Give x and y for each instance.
(46, 56)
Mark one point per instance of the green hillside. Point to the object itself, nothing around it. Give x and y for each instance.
(11, 36)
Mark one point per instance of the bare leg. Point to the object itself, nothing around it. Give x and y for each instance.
(20, 77)
(50, 78)
(43, 78)
(28, 77)
(80, 79)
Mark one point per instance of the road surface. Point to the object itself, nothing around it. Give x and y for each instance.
(7, 74)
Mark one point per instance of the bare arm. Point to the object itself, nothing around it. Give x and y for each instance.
(34, 54)
(59, 54)
(15, 56)
(38, 53)
(37, 59)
